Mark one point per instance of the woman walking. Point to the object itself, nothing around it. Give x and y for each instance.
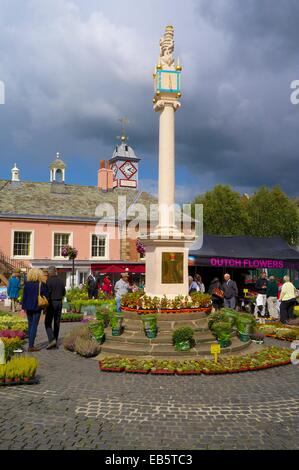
(13, 290)
(288, 300)
(33, 288)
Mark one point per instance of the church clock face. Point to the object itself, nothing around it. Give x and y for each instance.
(128, 169)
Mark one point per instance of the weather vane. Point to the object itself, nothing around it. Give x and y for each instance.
(124, 121)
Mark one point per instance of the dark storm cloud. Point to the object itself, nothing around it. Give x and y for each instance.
(71, 69)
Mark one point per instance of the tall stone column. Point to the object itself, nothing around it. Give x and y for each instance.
(166, 225)
(166, 248)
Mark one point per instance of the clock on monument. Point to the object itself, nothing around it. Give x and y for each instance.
(168, 81)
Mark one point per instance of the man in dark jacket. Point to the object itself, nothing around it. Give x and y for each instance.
(261, 299)
(230, 290)
(56, 289)
(92, 286)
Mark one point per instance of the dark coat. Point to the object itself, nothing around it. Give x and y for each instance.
(259, 285)
(30, 296)
(272, 289)
(230, 289)
(56, 288)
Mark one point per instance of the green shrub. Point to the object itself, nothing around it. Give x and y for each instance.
(246, 324)
(182, 335)
(222, 330)
(215, 318)
(97, 330)
(116, 321)
(71, 317)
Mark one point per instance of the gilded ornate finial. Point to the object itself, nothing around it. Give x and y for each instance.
(123, 137)
(167, 49)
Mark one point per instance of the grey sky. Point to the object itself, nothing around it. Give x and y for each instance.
(72, 68)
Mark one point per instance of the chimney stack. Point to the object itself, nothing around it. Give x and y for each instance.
(102, 177)
(110, 177)
(105, 177)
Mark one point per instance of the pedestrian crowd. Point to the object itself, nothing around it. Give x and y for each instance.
(273, 300)
(45, 291)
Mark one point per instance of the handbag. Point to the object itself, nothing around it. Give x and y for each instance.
(42, 301)
(218, 292)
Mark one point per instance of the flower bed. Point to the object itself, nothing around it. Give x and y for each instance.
(264, 359)
(182, 310)
(71, 317)
(279, 331)
(12, 334)
(13, 322)
(143, 304)
(19, 370)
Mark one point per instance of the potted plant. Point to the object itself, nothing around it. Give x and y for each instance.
(222, 330)
(182, 339)
(230, 316)
(245, 326)
(150, 325)
(97, 330)
(116, 323)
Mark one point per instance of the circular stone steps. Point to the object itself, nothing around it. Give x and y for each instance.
(162, 338)
(133, 341)
(164, 350)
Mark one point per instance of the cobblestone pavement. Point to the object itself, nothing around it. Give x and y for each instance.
(76, 406)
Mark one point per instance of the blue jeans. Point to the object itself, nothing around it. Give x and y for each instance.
(33, 320)
(118, 304)
(230, 303)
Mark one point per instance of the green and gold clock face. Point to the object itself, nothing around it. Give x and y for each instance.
(168, 81)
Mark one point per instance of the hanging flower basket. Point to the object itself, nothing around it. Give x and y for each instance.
(69, 252)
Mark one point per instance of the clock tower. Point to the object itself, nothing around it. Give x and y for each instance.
(124, 164)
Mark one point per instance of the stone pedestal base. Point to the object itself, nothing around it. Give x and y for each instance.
(166, 267)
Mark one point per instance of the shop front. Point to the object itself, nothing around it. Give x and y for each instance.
(136, 271)
(244, 258)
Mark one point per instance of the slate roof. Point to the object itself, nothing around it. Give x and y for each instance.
(63, 201)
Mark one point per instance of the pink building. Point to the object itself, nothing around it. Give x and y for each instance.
(38, 219)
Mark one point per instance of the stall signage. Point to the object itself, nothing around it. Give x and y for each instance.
(247, 263)
(215, 350)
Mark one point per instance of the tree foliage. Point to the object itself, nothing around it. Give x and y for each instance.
(272, 213)
(223, 212)
(268, 213)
